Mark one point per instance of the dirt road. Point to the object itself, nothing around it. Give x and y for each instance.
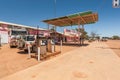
(13, 60)
(93, 62)
(114, 45)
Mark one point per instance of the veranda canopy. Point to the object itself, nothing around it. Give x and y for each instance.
(82, 18)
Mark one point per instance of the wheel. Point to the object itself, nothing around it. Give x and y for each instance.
(11, 46)
(25, 50)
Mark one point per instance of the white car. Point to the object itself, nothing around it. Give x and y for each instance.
(29, 40)
(13, 42)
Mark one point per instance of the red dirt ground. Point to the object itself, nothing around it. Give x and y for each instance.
(13, 60)
(114, 45)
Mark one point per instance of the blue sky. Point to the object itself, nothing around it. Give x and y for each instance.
(32, 12)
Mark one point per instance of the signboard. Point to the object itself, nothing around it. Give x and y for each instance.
(39, 32)
(3, 28)
(18, 32)
(70, 32)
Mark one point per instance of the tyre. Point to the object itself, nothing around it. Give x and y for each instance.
(11, 46)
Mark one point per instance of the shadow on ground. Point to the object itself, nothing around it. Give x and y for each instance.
(22, 52)
(75, 45)
(108, 48)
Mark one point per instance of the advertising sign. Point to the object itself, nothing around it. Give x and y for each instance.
(70, 32)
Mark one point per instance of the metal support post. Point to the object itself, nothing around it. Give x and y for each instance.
(83, 34)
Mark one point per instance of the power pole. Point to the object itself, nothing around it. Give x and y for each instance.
(55, 8)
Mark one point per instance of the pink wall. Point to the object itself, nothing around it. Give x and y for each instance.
(34, 32)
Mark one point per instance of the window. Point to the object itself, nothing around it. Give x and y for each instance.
(30, 38)
(13, 32)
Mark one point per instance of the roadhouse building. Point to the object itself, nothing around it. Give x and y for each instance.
(8, 29)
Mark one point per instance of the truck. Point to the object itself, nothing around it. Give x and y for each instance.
(13, 42)
(29, 40)
(25, 41)
(15, 36)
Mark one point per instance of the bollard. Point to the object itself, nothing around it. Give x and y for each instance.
(29, 51)
(53, 50)
(61, 46)
(38, 53)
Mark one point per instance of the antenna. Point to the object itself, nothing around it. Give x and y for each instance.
(55, 8)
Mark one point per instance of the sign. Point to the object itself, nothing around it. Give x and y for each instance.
(116, 3)
(13, 32)
(3, 32)
(70, 32)
(18, 32)
(3, 27)
(39, 32)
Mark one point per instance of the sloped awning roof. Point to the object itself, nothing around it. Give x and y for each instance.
(87, 17)
(19, 25)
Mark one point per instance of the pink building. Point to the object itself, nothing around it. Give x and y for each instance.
(6, 28)
(71, 35)
(40, 32)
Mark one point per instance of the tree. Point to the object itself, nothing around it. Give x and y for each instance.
(52, 29)
(93, 35)
(115, 37)
(83, 33)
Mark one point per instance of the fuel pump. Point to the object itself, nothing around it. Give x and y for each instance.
(51, 46)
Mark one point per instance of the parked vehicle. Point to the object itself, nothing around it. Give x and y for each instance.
(27, 40)
(15, 37)
(13, 42)
(104, 39)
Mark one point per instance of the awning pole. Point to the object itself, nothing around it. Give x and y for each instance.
(83, 34)
(55, 36)
(48, 31)
(79, 32)
(48, 27)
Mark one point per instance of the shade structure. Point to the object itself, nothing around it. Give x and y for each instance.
(82, 18)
